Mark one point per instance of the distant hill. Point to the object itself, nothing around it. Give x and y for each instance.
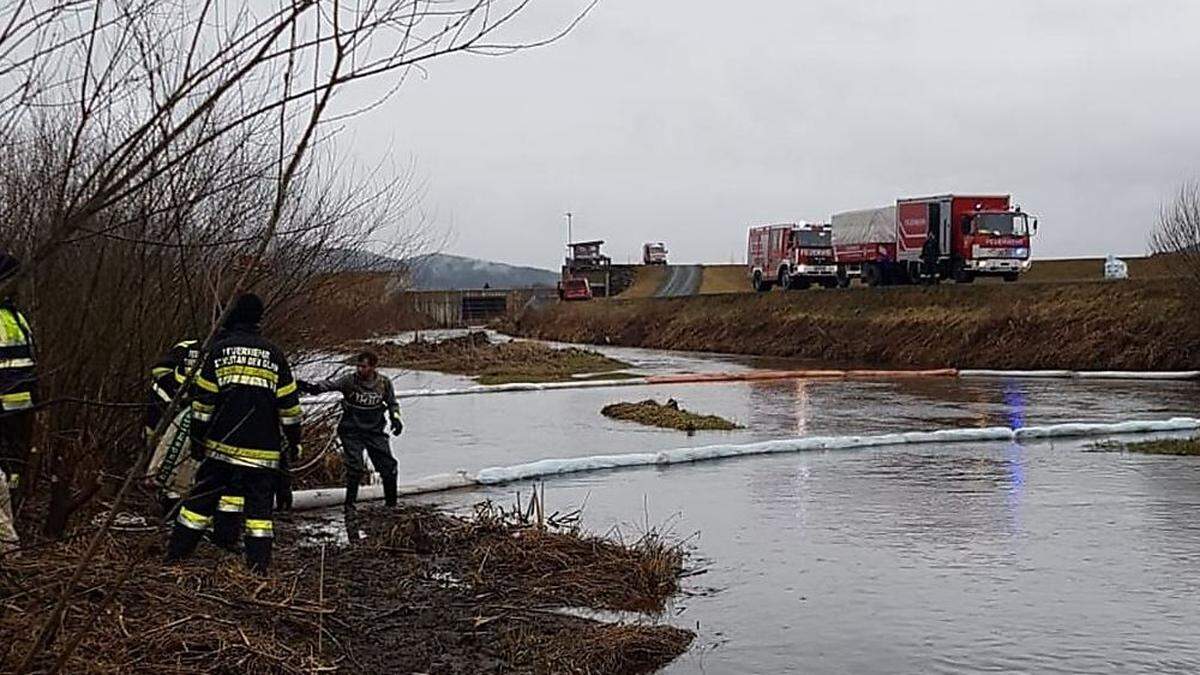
(439, 271)
(343, 260)
(443, 272)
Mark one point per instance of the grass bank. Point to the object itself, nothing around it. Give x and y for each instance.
(423, 592)
(1129, 325)
(666, 416)
(491, 363)
(736, 278)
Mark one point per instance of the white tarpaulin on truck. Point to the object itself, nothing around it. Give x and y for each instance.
(865, 227)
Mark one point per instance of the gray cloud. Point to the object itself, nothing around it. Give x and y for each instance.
(687, 121)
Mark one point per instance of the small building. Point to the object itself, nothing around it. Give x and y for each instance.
(586, 260)
(587, 254)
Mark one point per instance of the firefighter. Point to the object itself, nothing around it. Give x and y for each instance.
(242, 399)
(368, 407)
(18, 384)
(172, 467)
(930, 253)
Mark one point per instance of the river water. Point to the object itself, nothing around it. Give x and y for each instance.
(981, 557)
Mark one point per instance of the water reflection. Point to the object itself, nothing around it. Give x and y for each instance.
(781, 404)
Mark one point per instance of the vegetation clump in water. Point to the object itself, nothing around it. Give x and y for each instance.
(667, 416)
(489, 362)
(1177, 447)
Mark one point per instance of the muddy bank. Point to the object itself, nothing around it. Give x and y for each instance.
(666, 416)
(422, 592)
(497, 363)
(1132, 325)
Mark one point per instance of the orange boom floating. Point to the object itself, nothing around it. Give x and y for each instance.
(758, 375)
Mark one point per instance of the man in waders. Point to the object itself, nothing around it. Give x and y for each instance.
(369, 407)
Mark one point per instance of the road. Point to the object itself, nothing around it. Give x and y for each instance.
(681, 280)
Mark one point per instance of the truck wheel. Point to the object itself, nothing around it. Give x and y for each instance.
(759, 284)
(1011, 277)
(963, 276)
(872, 275)
(843, 278)
(785, 280)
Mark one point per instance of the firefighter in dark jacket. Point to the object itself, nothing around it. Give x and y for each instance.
(172, 468)
(242, 399)
(18, 384)
(369, 408)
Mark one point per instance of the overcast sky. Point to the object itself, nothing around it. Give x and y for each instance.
(687, 121)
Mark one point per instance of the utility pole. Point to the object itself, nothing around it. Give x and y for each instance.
(570, 238)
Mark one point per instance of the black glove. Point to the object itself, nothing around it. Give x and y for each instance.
(306, 387)
(283, 492)
(397, 427)
(197, 449)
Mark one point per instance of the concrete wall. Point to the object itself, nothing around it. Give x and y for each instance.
(605, 280)
(458, 309)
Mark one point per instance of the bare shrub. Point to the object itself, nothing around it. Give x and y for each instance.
(1177, 234)
(158, 157)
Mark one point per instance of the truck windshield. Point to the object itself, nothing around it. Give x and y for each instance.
(1002, 223)
(812, 239)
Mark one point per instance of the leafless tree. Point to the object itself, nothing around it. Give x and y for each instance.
(1177, 235)
(159, 156)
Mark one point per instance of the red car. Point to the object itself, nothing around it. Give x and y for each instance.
(575, 289)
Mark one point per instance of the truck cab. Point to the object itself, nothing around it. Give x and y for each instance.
(654, 253)
(963, 237)
(993, 243)
(791, 256)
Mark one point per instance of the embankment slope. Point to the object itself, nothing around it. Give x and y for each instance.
(736, 278)
(1131, 325)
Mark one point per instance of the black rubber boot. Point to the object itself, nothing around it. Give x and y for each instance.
(389, 489)
(258, 555)
(351, 493)
(183, 543)
(227, 531)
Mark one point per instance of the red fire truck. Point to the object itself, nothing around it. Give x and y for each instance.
(958, 237)
(574, 288)
(791, 256)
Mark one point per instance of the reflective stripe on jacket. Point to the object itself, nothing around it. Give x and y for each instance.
(243, 398)
(18, 374)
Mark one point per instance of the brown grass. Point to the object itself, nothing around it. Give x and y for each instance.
(517, 361)
(725, 279)
(596, 648)
(666, 416)
(734, 279)
(649, 279)
(1131, 325)
(1140, 267)
(423, 592)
